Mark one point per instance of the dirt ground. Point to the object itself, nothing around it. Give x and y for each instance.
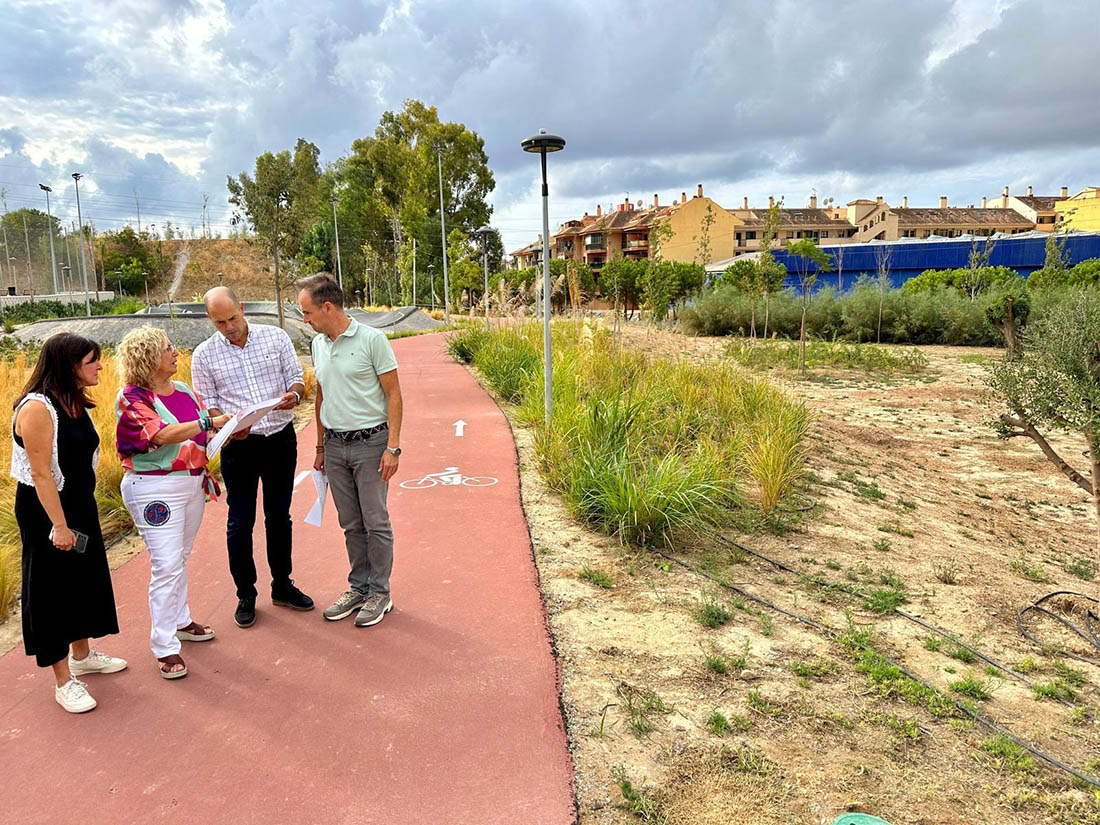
(908, 481)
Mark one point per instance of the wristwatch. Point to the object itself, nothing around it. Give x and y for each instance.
(298, 396)
(394, 451)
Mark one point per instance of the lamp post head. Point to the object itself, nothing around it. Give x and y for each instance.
(484, 233)
(77, 176)
(334, 200)
(543, 142)
(44, 188)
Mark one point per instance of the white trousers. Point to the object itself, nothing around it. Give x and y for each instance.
(167, 511)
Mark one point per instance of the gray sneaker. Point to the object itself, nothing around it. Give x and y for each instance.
(374, 608)
(344, 605)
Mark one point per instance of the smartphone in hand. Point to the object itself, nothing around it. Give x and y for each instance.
(81, 541)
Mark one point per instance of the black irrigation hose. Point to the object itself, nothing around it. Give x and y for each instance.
(833, 635)
(1088, 634)
(915, 619)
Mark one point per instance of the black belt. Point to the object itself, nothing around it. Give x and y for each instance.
(356, 435)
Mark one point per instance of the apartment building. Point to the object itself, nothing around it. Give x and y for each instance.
(1082, 211)
(624, 231)
(1039, 209)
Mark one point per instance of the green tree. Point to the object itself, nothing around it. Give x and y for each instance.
(1007, 307)
(703, 255)
(280, 199)
(319, 244)
(772, 275)
(810, 261)
(389, 190)
(744, 276)
(1054, 385)
(621, 280)
(127, 257)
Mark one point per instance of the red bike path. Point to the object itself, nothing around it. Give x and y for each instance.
(445, 712)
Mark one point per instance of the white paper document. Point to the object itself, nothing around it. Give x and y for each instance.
(320, 481)
(242, 420)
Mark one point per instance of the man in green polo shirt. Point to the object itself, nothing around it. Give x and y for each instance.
(358, 417)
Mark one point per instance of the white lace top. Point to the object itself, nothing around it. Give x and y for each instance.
(21, 465)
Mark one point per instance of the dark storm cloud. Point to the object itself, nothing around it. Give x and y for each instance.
(742, 97)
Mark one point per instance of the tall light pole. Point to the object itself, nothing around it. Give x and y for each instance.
(80, 240)
(485, 233)
(49, 216)
(414, 272)
(27, 247)
(339, 266)
(443, 230)
(541, 144)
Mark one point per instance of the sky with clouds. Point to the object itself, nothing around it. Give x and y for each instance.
(925, 98)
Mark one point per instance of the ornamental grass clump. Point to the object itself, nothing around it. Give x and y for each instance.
(642, 448)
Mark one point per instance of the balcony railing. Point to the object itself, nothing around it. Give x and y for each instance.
(636, 243)
(595, 243)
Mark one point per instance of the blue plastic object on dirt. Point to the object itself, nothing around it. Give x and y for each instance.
(859, 819)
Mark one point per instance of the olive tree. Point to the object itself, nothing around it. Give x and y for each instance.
(1053, 384)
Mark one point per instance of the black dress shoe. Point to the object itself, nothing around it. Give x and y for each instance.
(290, 596)
(246, 612)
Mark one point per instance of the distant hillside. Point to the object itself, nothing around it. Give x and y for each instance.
(244, 267)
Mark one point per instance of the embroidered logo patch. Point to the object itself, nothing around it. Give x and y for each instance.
(157, 513)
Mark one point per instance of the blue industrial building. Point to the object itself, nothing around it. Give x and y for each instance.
(909, 257)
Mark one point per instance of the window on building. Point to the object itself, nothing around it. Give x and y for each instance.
(750, 236)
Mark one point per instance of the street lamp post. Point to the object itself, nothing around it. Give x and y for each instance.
(80, 239)
(485, 233)
(414, 273)
(66, 278)
(431, 284)
(443, 230)
(339, 267)
(49, 216)
(541, 144)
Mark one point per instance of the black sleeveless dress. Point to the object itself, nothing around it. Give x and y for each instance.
(66, 595)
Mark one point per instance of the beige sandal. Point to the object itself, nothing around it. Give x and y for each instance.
(169, 662)
(195, 632)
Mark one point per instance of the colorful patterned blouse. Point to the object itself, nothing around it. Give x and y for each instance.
(140, 414)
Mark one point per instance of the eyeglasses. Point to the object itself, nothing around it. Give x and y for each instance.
(170, 348)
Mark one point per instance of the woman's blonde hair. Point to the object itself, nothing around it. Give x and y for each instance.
(139, 354)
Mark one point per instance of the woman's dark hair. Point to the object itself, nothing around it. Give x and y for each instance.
(55, 371)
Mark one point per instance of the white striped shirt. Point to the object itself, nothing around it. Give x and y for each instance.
(230, 377)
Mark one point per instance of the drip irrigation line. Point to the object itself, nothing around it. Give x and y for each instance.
(833, 635)
(1088, 634)
(905, 615)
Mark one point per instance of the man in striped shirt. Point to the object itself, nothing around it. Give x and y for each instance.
(238, 365)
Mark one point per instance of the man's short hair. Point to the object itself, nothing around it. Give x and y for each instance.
(323, 288)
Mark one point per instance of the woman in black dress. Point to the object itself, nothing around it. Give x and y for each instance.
(67, 594)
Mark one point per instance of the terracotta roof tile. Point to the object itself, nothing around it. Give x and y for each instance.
(955, 217)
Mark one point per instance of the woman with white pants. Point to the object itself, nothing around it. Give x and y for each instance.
(162, 427)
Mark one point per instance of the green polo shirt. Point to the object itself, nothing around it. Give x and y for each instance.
(348, 370)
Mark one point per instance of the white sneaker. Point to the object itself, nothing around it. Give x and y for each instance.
(74, 697)
(95, 662)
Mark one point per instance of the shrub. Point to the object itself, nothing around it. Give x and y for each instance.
(643, 448)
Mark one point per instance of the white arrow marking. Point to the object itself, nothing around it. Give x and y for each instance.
(460, 426)
(302, 476)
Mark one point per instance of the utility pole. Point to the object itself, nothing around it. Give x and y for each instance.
(443, 230)
(80, 239)
(27, 246)
(4, 198)
(339, 266)
(49, 218)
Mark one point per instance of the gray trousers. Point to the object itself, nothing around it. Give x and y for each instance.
(360, 497)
